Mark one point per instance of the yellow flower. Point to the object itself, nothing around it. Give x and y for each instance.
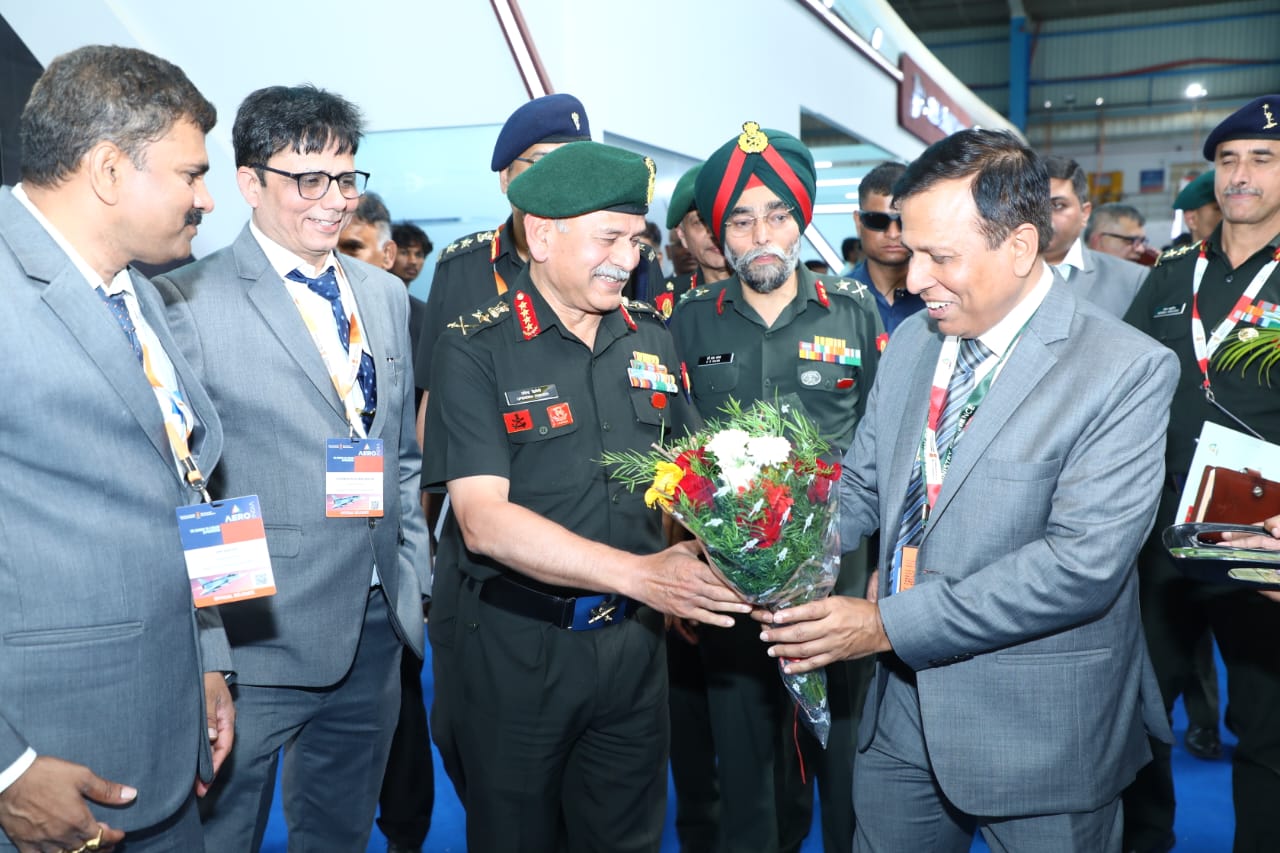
(667, 475)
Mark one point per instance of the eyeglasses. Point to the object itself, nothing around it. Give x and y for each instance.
(877, 221)
(314, 186)
(741, 225)
(1140, 240)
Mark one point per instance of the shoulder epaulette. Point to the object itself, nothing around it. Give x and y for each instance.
(849, 287)
(466, 245)
(639, 308)
(647, 252)
(1177, 252)
(702, 291)
(491, 313)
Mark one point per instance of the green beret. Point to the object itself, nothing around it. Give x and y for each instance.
(1196, 194)
(776, 158)
(682, 197)
(583, 177)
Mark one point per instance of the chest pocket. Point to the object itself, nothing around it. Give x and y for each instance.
(825, 376)
(715, 378)
(1169, 327)
(546, 419)
(642, 401)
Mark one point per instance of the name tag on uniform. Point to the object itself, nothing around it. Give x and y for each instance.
(1169, 311)
(722, 358)
(524, 396)
(353, 478)
(225, 548)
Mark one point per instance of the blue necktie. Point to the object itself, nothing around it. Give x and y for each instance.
(327, 286)
(911, 530)
(115, 304)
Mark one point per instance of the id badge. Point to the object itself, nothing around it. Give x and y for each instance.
(353, 478)
(906, 568)
(225, 547)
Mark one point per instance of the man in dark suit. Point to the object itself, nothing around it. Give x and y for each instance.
(101, 652)
(306, 354)
(1013, 693)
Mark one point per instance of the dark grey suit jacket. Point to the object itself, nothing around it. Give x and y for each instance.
(100, 651)
(1107, 281)
(236, 322)
(1036, 691)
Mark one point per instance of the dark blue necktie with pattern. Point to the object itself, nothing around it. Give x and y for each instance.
(327, 286)
(115, 304)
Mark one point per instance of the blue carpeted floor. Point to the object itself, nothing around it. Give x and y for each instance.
(1204, 822)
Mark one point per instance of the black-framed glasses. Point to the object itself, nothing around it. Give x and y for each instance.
(877, 221)
(1140, 240)
(313, 186)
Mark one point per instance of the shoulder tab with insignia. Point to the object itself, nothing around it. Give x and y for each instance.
(1177, 252)
(489, 314)
(693, 294)
(638, 308)
(846, 287)
(466, 245)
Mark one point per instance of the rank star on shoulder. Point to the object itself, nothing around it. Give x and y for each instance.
(465, 242)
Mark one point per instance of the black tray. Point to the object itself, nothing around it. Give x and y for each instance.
(1200, 554)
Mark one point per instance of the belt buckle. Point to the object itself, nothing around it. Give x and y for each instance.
(595, 611)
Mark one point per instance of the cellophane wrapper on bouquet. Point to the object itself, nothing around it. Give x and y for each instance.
(754, 488)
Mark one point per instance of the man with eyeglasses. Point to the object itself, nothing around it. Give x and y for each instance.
(1093, 275)
(686, 227)
(883, 267)
(1116, 229)
(306, 354)
(752, 337)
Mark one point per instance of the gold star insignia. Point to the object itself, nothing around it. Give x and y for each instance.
(465, 242)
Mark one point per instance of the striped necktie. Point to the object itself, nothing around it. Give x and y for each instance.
(327, 286)
(911, 530)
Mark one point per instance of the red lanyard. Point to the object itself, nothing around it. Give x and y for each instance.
(1205, 350)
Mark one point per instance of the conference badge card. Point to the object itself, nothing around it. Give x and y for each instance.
(225, 546)
(353, 478)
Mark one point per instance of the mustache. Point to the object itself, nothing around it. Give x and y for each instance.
(1242, 191)
(194, 217)
(610, 271)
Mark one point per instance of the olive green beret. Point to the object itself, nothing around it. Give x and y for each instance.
(682, 197)
(775, 158)
(1196, 194)
(583, 177)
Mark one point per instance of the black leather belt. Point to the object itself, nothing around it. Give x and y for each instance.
(577, 613)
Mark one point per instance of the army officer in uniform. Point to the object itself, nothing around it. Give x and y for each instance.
(774, 328)
(552, 578)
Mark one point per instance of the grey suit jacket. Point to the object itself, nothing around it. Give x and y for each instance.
(1107, 281)
(1036, 692)
(235, 320)
(100, 658)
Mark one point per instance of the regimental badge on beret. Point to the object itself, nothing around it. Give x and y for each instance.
(653, 177)
(1255, 120)
(752, 140)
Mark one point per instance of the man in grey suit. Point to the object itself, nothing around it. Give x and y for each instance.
(306, 355)
(102, 736)
(1105, 280)
(1013, 693)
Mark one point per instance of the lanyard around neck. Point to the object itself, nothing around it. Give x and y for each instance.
(343, 382)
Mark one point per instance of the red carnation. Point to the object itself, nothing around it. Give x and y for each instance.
(778, 501)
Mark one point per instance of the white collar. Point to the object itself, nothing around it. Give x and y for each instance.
(122, 283)
(284, 261)
(1000, 336)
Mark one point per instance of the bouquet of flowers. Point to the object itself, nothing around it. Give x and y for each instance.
(754, 490)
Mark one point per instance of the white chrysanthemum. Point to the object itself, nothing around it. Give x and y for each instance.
(769, 449)
(737, 468)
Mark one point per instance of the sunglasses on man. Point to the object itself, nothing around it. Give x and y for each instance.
(877, 221)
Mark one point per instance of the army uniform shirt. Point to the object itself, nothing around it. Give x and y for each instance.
(471, 271)
(517, 396)
(823, 348)
(1162, 309)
